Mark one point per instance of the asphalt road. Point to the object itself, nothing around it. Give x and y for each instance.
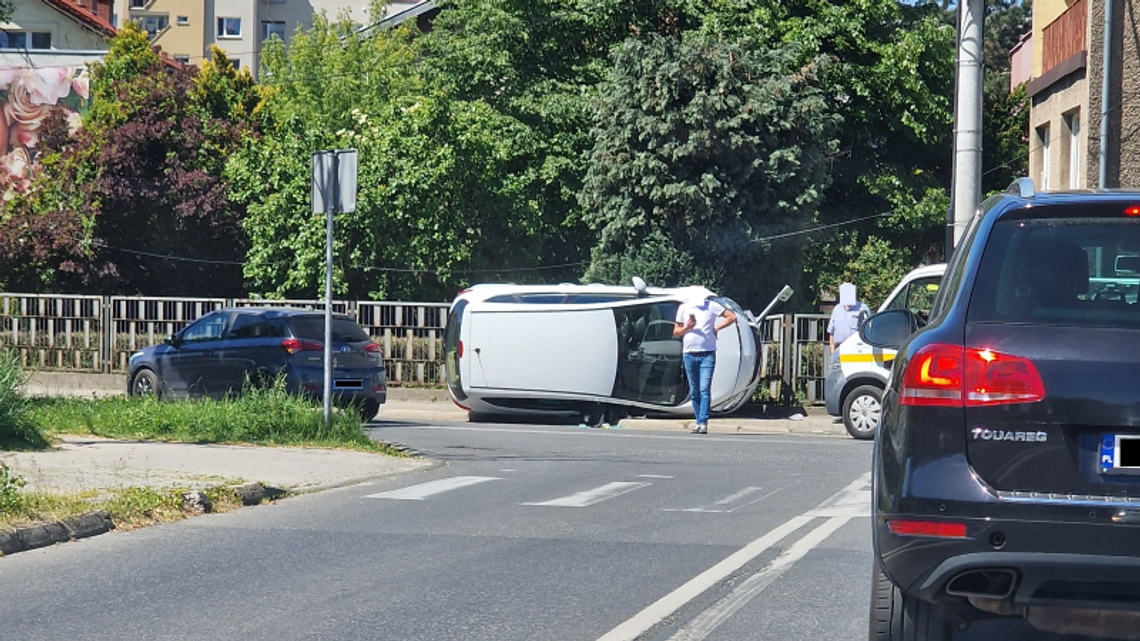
(521, 533)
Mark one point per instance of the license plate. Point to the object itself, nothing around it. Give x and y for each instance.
(1119, 452)
(348, 384)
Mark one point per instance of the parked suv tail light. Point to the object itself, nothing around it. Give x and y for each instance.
(956, 376)
(293, 346)
(373, 348)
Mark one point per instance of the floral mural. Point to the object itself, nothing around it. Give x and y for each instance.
(27, 96)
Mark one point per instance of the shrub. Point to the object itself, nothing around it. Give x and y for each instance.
(16, 427)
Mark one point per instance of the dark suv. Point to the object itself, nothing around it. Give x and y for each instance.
(1007, 466)
(220, 352)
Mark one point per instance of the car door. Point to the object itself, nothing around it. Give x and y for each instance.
(193, 368)
(251, 351)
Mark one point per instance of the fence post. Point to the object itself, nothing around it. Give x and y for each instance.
(108, 334)
(787, 358)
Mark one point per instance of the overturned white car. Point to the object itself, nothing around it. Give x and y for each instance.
(598, 352)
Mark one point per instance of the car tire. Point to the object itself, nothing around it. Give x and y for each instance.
(145, 383)
(896, 616)
(368, 409)
(863, 411)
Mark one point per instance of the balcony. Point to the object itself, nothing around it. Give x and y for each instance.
(1064, 37)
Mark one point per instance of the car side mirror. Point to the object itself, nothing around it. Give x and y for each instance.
(863, 316)
(170, 339)
(890, 329)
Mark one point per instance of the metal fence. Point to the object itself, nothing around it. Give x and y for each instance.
(98, 334)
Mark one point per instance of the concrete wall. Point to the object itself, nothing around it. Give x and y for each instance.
(1123, 167)
(66, 33)
(1055, 109)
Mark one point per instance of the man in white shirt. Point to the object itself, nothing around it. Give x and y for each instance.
(698, 322)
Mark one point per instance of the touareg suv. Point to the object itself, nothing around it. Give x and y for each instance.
(223, 351)
(1006, 473)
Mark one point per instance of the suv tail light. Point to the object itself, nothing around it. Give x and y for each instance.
(956, 376)
(373, 348)
(293, 346)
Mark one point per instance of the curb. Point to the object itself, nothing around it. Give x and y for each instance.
(45, 534)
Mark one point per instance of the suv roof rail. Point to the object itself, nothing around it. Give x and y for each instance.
(1021, 187)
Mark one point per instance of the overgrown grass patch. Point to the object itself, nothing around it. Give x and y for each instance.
(267, 416)
(129, 508)
(18, 430)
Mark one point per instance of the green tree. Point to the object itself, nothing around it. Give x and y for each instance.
(437, 197)
(140, 181)
(702, 149)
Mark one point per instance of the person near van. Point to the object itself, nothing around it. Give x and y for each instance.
(698, 322)
(845, 316)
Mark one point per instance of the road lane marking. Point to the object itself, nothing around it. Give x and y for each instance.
(725, 505)
(424, 490)
(675, 600)
(654, 476)
(594, 496)
(711, 618)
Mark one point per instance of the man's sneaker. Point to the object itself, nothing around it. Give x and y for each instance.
(696, 430)
(701, 429)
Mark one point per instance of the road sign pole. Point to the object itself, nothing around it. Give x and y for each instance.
(328, 288)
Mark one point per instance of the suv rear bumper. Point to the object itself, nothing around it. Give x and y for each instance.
(1085, 560)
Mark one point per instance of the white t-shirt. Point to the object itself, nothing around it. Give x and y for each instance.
(703, 337)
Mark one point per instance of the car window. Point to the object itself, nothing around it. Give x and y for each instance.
(207, 328)
(254, 326)
(312, 328)
(1059, 271)
(899, 302)
(920, 295)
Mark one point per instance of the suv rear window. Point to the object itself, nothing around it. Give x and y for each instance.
(1060, 271)
(312, 328)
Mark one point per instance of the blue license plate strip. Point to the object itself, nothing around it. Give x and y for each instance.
(1110, 452)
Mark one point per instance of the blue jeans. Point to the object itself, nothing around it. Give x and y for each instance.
(699, 370)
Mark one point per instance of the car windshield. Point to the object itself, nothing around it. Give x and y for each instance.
(1060, 271)
(312, 328)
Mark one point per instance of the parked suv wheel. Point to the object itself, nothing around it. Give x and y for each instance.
(862, 411)
(144, 384)
(895, 616)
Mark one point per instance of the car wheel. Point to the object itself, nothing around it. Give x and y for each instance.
(368, 409)
(145, 384)
(896, 616)
(862, 411)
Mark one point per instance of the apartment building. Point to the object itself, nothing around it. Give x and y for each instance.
(54, 33)
(1065, 94)
(186, 28)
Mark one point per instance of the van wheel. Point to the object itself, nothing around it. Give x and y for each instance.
(896, 616)
(863, 411)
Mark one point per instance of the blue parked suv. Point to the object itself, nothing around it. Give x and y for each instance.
(1006, 473)
(218, 353)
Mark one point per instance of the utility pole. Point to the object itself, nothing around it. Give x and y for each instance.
(966, 191)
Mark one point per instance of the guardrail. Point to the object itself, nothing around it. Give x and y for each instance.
(56, 332)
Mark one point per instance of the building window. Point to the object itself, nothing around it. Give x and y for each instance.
(184, 59)
(153, 24)
(229, 27)
(270, 29)
(13, 40)
(1042, 153)
(41, 40)
(235, 63)
(138, 4)
(1073, 125)
(183, 21)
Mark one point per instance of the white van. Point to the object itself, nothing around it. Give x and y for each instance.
(858, 372)
(593, 351)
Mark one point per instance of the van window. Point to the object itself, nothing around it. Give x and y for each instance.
(1059, 271)
(649, 356)
(918, 296)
